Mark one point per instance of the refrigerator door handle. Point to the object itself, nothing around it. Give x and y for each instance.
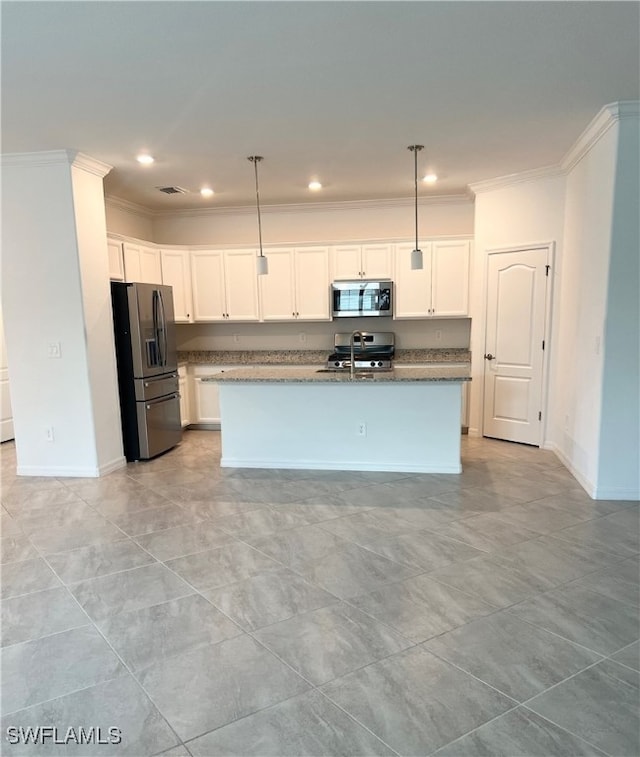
(163, 327)
(166, 397)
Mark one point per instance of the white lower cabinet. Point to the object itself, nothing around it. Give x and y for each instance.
(206, 404)
(183, 389)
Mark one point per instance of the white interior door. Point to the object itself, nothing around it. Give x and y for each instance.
(6, 416)
(514, 350)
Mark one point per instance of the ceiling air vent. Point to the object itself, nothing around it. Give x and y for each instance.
(173, 190)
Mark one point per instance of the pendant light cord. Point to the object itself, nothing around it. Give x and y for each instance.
(415, 149)
(255, 159)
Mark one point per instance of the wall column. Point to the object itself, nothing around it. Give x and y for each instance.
(57, 315)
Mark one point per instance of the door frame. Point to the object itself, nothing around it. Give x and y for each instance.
(550, 247)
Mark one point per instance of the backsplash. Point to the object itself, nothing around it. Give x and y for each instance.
(431, 333)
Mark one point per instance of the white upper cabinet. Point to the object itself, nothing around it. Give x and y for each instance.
(441, 288)
(346, 262)
(225, 286)
(142, 264)
(297, 285)
(377, 261)
(116, 265)
(312, 284)
(176, 273)
(412, 290)
(450, 277)
(366, 261)
(207, 281)
(277, 297)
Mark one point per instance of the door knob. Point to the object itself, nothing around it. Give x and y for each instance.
(489, 356)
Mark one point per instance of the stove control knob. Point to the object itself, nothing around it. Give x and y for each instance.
(337, 363)
(380, 363)
(373, 364)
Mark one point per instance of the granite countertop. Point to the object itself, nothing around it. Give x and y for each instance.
(302, 375)
(312, 357)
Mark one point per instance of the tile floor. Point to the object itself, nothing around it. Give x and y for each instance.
(252, 612)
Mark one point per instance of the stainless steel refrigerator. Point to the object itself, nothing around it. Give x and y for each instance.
(146, 354)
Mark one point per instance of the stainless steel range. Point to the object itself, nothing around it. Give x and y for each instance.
(372, 351)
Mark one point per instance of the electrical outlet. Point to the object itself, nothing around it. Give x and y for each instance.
(362, 429)
(48, 433)
(53, 350)
(438, 335)
(303, 336)
(236, 338)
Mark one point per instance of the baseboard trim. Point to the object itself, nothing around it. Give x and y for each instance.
(587, 485)
(228, 462)
(115, 464)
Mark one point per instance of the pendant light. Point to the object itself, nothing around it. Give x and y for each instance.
(416, 253)
(262, 265)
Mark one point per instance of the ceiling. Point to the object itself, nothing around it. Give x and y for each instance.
(329, 90)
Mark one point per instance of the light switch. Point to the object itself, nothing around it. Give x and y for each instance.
(54, 350)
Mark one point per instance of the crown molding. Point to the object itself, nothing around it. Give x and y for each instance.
(315, 207)
(129, 207)
(534, 174)
(56, 157)
(606, 117)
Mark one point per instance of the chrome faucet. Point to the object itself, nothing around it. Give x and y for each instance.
(352, 342)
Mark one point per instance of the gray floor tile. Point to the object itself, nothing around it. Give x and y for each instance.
(325, 507)
(40, 614)
(416, 703)
(126, 502)
(259, 523)
(308, 724)
(224, 565)
(519, 732)
(98, 560)
(350, 570)
(488, 532)
(16, 548)
(218, 684)
(184, 540)
(70, 514)
(622, 582)
(298, 546)
(593, 620)
(94, 530)
(46, 668)
(629, 656)
(153, 519)
(553, 561)
(423, 550)
(475, 500)
(420, 608)
(23, 501)
(9, 526)
(26, 576)
(148, 635)
(511, 655)
(378, 523)
(177, 751)
(119, 703)
(618, 533)
(329, 642)
(268, 598)
(209, 508)
(600, 704)
(543, 516)
(129, 590)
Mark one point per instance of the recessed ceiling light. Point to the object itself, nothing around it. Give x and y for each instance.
(207, 192)
(315, 185)
(430, 178)
(144, 159)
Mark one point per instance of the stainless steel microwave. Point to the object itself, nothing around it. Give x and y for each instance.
(355, 299)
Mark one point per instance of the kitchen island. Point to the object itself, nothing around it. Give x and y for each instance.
(407, 419)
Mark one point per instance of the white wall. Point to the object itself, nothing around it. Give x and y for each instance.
(328, 222)
(619, 460)
(128, 220)
(524, 213)
(45, 259)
